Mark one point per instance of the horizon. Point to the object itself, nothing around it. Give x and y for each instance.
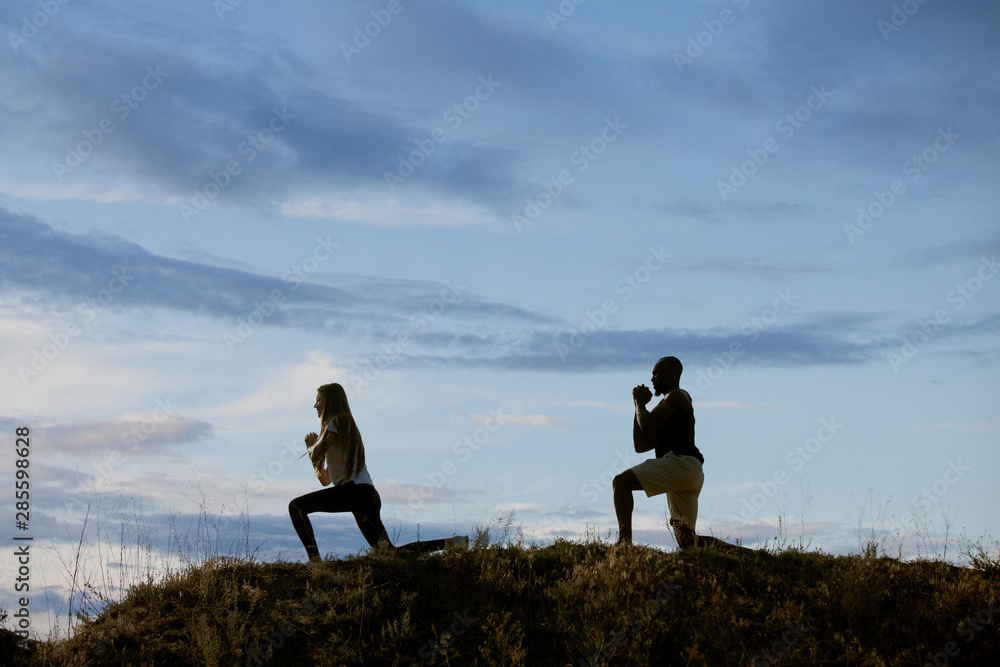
(488, 223)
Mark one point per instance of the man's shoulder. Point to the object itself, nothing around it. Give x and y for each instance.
(678, 397)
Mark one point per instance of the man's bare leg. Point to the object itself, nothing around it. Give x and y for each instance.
(624, 484)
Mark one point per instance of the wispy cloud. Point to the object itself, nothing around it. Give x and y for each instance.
(67, 269)
(531, 421)
(963, 426)
(155, 431)
(736, 405)
(469, 330)
(603, 405)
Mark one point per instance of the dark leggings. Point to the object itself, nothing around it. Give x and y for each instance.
(361, 500)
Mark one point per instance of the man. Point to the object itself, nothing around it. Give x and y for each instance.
(669, 430)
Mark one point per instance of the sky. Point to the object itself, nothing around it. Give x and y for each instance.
(488, 221)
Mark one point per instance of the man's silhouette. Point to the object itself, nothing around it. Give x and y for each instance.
(676, 471)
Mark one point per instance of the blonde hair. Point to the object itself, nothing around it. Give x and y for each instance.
(348, 436)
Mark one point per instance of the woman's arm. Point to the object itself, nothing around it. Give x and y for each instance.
(322, 474)
(318, 446)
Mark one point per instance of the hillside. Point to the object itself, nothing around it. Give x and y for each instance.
(563, 604)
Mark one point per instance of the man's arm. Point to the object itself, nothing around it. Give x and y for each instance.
(641, 441)
(650, 420)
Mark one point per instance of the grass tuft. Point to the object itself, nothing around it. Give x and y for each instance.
(586, 603)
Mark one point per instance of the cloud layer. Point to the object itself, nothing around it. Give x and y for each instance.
(419, 323)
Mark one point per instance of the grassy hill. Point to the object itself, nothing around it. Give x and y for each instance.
(568, 603)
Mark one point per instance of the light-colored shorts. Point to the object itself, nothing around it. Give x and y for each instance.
(680, 477)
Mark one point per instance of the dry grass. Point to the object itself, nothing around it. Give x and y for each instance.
(568, 603)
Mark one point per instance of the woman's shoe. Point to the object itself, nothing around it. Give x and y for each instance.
(460, 541)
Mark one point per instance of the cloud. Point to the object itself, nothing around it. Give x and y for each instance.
(257, 113)
(969, 251)
(283, 390)
(715, 210)
(815, 340)
(760, 267)
(604, 405)
(963, 426)
(414, 324)
(736, 405)
(531, 421)
(94, 271)
(154, 432)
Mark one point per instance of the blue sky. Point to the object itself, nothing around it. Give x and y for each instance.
(488, 222)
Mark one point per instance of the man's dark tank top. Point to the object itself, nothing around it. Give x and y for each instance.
(677, 436)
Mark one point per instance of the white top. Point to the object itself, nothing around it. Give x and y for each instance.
(336, 464)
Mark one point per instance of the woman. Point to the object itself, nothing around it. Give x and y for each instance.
(338, 457)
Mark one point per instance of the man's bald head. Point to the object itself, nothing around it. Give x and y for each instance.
(669, 366)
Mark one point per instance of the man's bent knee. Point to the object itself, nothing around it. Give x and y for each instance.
(626, 481)
(618, 483)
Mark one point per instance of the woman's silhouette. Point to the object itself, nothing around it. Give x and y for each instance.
(338, 457)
